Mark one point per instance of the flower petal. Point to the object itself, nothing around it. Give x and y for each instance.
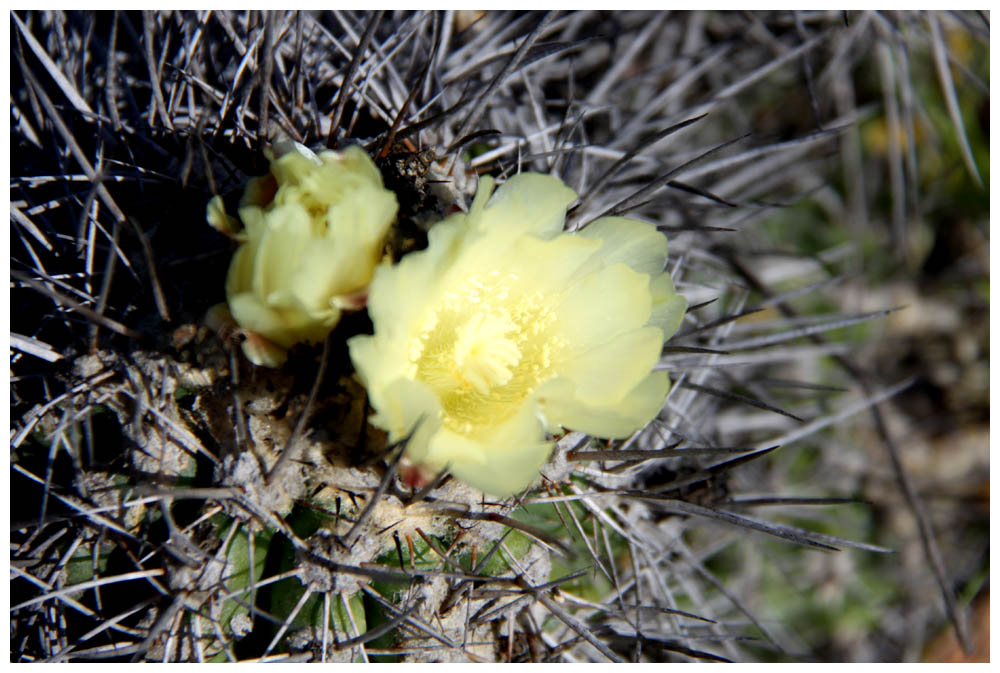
(407, 407)
(358, 164)
(219, 220)
(400, 295)
(342, 261)
(500, 465)
(668, 307)
(605, 374)
(239, 278)
(602, 305)
(259, 191)
(370, 213)
(318, 276)
(565, 258)
(282, 242)
(263, 352)
(284, 325)
(560, 406)
(636, 244)
(531, 203)
(505, 472)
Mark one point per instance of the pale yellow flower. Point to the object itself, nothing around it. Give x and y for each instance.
(506, 330)
(315, 229)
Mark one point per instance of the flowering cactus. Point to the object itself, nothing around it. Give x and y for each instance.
(506, 330)
(314, 232)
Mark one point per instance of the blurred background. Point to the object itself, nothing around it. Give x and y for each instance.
(915, 178)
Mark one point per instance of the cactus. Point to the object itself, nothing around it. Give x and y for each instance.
(175, 502)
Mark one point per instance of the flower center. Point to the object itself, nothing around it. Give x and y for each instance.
(484, 349)
(483, 353)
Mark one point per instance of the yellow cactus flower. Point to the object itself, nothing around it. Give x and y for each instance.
(506, 330)
(314, 231)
